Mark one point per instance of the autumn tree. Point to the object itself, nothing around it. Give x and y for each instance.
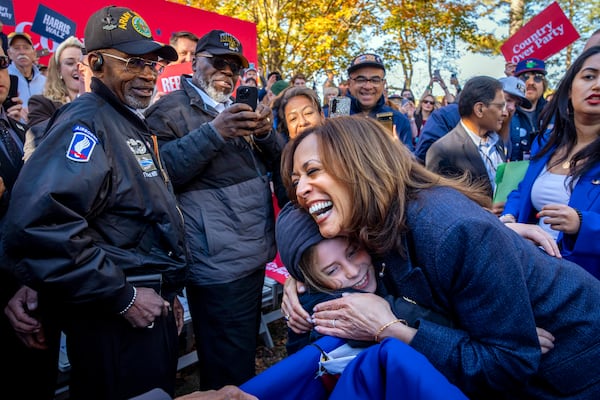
(427, 31)
(300, 36)
(314, 36)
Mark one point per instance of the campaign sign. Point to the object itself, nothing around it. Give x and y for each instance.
(7, 12)
(544, 35)
(168, 81)
(52, 25)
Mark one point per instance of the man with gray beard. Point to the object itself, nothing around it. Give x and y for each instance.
(217, 154)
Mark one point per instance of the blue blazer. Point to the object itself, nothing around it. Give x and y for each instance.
(496, 287)
(582, 248)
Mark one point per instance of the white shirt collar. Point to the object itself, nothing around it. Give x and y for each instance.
(492, 137)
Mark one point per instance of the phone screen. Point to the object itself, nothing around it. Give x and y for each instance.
(339, 106)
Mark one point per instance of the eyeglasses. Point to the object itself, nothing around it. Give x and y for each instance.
(428, 102)
(136, 65)
(4, 62)
(537, 77)
(220, 63)
(501, 106)
(361, 80)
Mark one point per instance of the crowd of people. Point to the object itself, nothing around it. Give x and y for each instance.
(117, 199)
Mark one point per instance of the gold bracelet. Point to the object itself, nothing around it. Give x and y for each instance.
(384, 327)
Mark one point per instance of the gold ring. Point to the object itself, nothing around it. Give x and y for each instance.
(268, 120)
(333, 323)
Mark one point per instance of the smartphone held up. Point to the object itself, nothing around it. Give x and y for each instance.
(339, 106)
(247, 95)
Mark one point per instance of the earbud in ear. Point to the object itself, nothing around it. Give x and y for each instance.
(97, 65)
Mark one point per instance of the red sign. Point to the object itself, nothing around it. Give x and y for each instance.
(277, 272)
(162, 16)
(168, 81)
(544, 35)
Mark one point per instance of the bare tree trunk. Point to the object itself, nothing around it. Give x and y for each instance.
(516, 15)
(571, 13)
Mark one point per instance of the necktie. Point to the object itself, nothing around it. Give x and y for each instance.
(13, 151)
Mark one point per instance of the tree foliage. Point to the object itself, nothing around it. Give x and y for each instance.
(299, 36)
(314, 36)
(419, 29)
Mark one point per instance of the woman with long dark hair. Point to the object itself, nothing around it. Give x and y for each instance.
(433, 243)
(561, 189)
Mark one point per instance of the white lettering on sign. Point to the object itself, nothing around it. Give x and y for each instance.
(539, 38)
(56, 27)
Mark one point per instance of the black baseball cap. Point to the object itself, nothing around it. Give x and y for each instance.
(221, 43)
(125, 30)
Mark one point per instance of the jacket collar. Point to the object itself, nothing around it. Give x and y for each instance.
(355, 107)
(101, 90)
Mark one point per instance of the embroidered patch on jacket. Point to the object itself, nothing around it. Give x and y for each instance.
(82, 144)
(140, 151)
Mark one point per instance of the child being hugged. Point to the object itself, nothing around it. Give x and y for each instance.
(332, 267)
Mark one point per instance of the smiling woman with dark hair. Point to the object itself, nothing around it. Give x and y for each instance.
(436, 246)
(561, 188)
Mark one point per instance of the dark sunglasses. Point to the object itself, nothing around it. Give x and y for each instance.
(537, 77)
(221, 63)
(428, 102)
(4, 62)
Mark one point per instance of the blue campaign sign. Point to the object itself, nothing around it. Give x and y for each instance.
(52, 25)
(7, 12)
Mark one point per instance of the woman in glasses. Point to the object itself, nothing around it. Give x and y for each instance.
(426, 106)
(561, 189)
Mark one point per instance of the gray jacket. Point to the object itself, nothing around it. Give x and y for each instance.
(222, 186)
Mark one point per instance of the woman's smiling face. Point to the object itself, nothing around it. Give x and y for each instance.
(326, 198)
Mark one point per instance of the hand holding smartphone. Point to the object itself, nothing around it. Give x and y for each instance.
(247, 95)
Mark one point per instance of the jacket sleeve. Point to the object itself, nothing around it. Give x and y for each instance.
(40, 109)
(476, 267)
(184, 154)
(403, 130)
(270, 147)
(47, 232)
(414, 313)
(439, 123)
(433, 159)
(585, 242)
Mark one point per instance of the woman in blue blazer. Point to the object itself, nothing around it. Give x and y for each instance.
(436, 247)
(561, 189)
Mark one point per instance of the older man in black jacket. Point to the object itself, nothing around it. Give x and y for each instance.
(91, 212)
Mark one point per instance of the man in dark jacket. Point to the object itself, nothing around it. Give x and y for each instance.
(96, 207)
(366, 82)
(218, 154)
(525, 124)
